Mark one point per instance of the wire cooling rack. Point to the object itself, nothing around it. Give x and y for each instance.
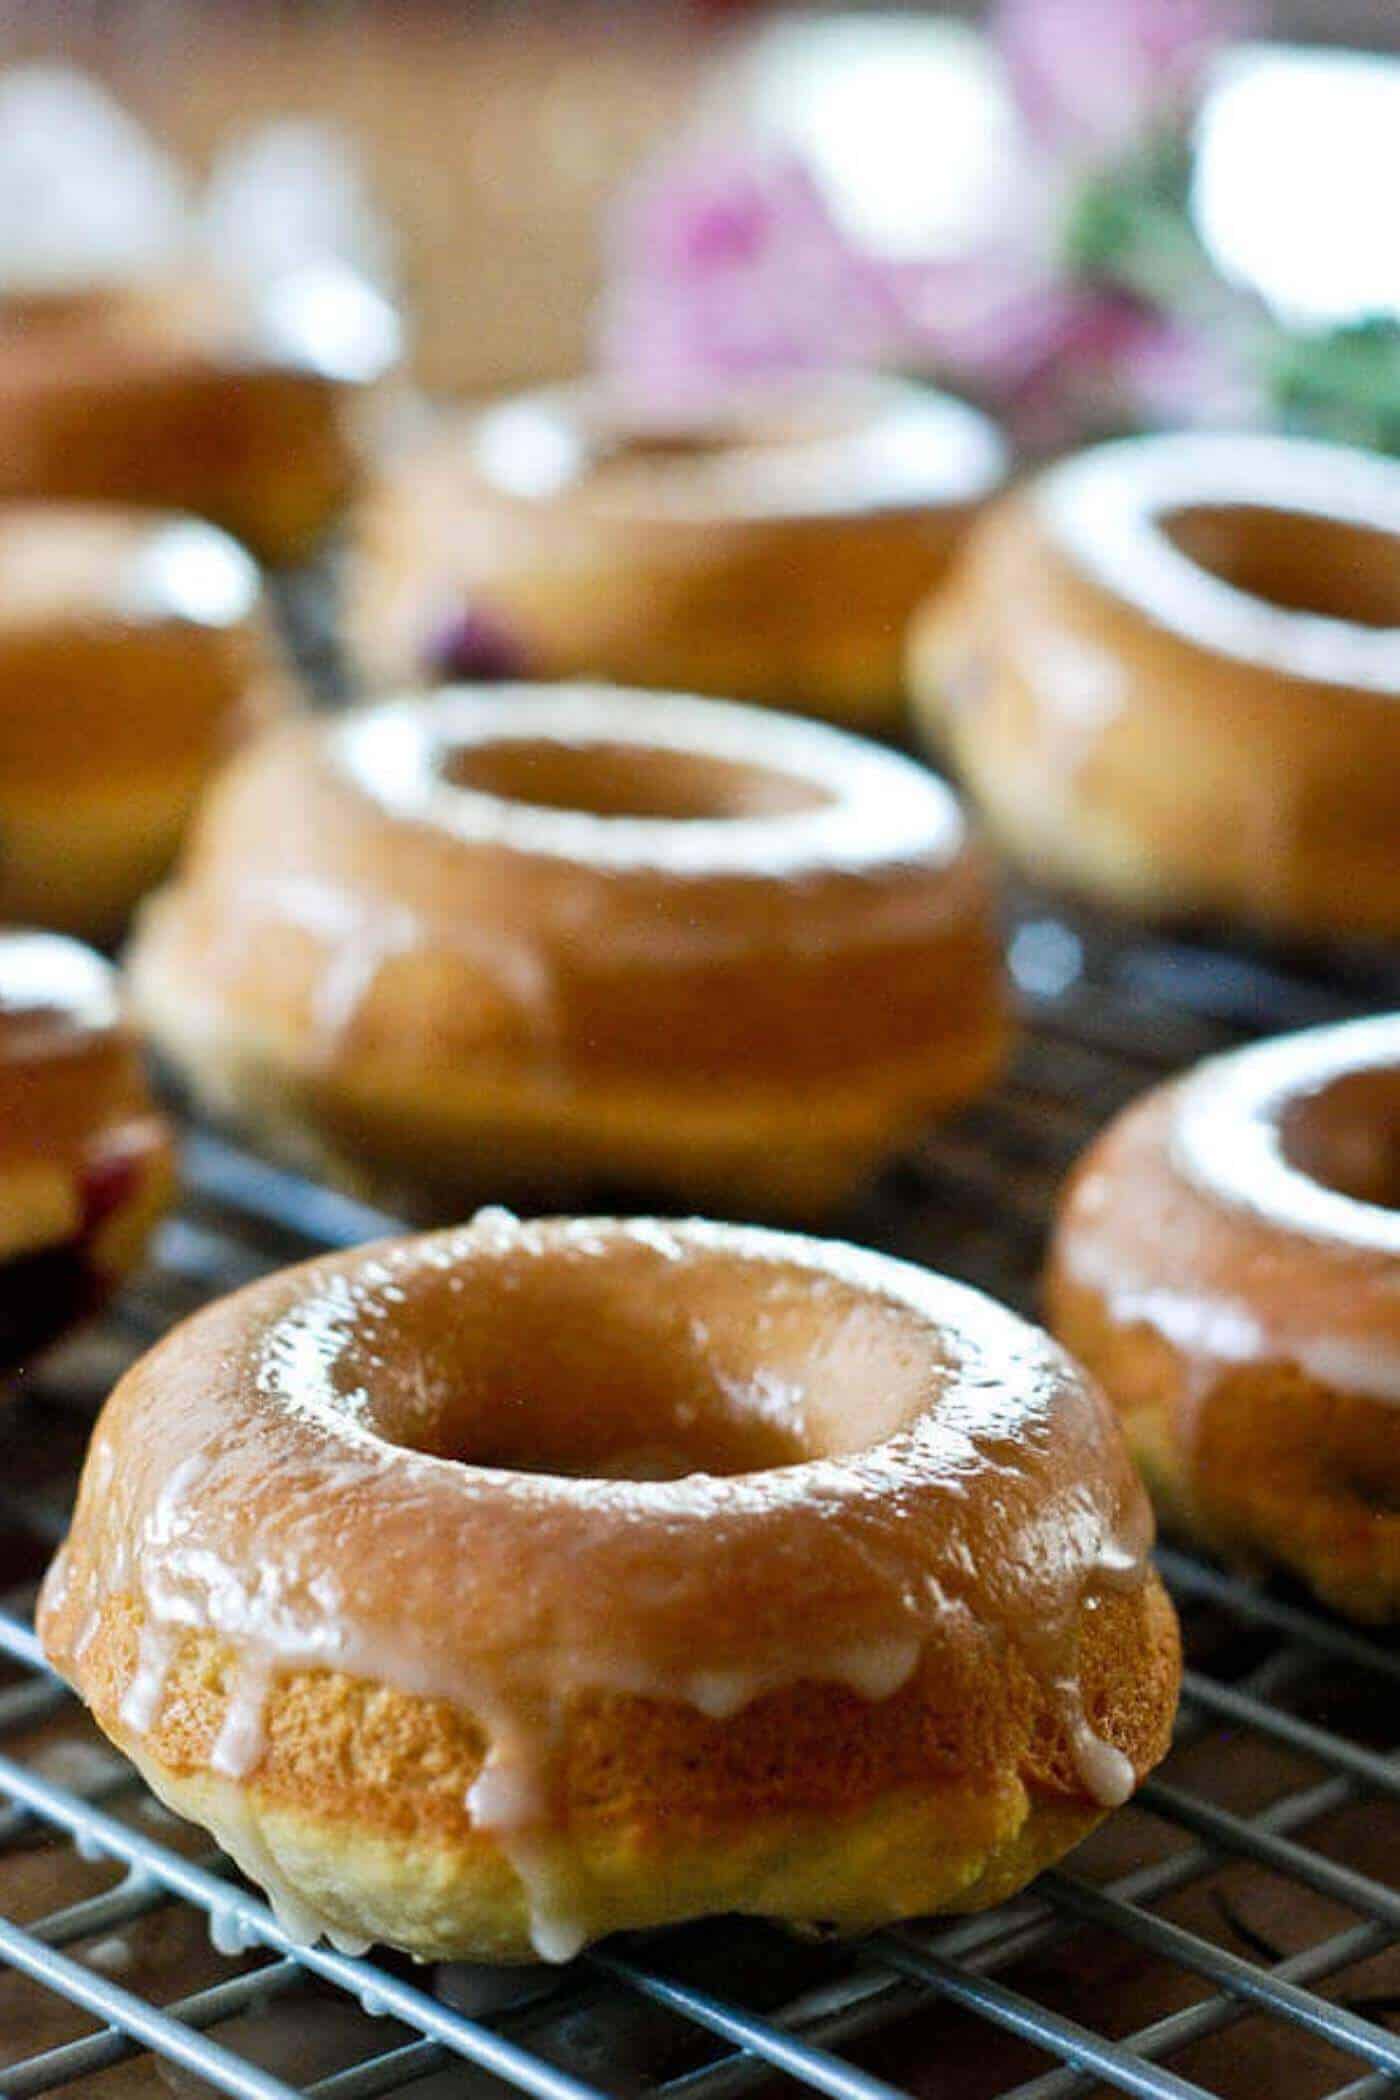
(1235, 1932)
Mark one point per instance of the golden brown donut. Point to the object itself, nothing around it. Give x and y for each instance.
(170, 401)
(531, 940)
(489, 1591)
(1227, 1262)
(773, 552)
(85, 1161)
(1169, 672)
(134, 655)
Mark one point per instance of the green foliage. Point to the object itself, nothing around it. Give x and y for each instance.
(1343, 384)
(1128, 225)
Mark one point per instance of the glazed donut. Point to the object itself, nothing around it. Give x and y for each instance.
(1169, 674)
(133, 655)
(489, 1591)
(530, 940)
(773, 552)
(168, 400)
(1227, 1262)
(85, 1161)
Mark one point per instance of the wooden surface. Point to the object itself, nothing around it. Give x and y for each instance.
(494, 134)
(492, 143)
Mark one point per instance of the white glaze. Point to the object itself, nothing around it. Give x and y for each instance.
(54, 986)
(1105, 508)
(236, 1831)
(1106, 1773)
(112, 1955)
(240, 1743)
(1226, 1133)
(880, 806)
(75, 565)
(833, 447)
(144, 1695)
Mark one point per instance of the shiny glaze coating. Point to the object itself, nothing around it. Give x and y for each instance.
(171, 398)
(528, 938)
(134, 654)
(85, 1161)
(626, 1498)
(773, 551)
(1228, 1262)
(1169, 673)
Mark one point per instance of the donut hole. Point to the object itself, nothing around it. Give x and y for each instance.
(751, 418)
(1346, 1136)
(628, 780)
(681, 444)
(640, 1367)
(1295, 560)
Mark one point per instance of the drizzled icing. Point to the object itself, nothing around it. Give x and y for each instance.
(1197, 1215)
(868, 1461)
(1108, 507)
(829, 447)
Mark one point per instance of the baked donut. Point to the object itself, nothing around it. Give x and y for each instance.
(85, 1161)
(134, 654)
(1227, 1262)
(171, 400)
(1168, 672)
(531, 940)
(488, 1591)
(772, 551)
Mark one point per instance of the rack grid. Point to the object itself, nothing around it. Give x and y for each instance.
(1235, 1932)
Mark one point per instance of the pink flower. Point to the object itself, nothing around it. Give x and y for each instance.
(996, 318)
(1092, 78)
(1121, 365)
(1174, 373)
(1058, 359)
(728, 266)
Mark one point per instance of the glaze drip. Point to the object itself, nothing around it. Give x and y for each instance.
(945, 1474)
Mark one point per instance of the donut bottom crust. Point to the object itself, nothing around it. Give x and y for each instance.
(1279, 1469)
(811, 1805)
(437, 1143)
(809, 618)
(911, 1855)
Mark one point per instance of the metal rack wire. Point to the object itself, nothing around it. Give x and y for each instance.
(1236, 1932)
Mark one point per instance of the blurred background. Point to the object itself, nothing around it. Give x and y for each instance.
(1090, 214)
